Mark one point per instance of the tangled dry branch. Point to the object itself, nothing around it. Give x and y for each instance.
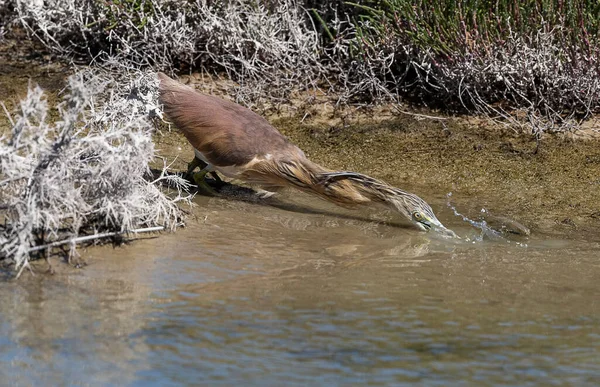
(85, 172)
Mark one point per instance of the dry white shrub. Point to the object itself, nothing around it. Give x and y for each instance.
(268, 47)
(272, 50)
(85, 172)
(530, 75)
(529, 82)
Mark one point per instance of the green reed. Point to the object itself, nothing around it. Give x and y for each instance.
(448, 27)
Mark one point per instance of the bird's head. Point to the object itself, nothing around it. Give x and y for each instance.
(419, 213)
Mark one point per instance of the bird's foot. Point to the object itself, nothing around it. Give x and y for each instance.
(192, 165)
(195, 163)
(200, 180)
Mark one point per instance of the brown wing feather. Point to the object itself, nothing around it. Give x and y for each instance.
(225, 132)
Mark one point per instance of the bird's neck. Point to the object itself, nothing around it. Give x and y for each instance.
(311, 177)
(342, 188)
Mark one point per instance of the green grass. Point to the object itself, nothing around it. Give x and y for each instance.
(448, 26)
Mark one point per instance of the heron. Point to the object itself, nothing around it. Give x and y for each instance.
(239, 144)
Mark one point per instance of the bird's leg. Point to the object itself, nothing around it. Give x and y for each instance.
(196, 162)
(200, 179)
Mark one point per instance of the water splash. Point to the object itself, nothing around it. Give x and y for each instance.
(486, 231)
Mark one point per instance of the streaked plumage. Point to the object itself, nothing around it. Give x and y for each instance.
(240, 144)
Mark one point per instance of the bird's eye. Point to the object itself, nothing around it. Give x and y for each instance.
(417, 215)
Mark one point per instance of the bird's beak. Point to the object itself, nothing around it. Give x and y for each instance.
(437, 226)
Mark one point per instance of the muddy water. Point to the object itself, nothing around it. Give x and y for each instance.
(269, 293)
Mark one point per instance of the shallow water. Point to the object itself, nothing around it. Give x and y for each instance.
(297, 292)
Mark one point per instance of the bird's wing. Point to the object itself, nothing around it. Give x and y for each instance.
(226, 133)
